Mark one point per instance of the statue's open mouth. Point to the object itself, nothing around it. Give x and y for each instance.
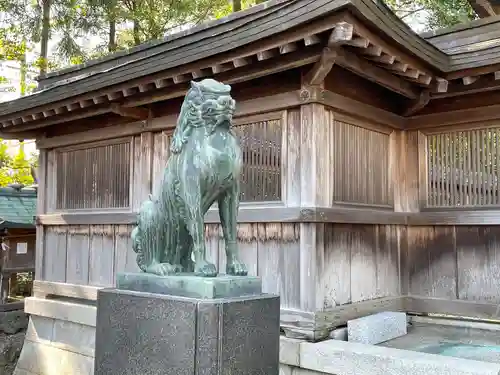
(224, 121)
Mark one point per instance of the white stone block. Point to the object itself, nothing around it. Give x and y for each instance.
(377, 328)
(345, 358)
(40, 329)
(42, 359)
(285, 369)
(74, 337)
(289, 351)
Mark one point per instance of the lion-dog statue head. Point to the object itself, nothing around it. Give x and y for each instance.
(207, 103)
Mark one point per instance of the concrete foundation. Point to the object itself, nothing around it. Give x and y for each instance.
(60, 341)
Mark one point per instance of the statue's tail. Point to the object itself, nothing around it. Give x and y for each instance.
(145, 241)
(136, 246)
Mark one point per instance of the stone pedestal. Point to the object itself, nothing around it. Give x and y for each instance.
(211, 329)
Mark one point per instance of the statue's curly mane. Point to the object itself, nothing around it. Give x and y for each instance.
(189, 117)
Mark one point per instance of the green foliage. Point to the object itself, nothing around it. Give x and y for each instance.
(21, 168)
(438, 13)
(5, 162)
(153, 19)
(17, 168)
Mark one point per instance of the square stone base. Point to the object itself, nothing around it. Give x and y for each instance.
(222, 286)
(141, 333)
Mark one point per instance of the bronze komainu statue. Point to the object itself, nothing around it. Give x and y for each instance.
(204, 167)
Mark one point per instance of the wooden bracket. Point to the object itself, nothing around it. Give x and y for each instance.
(440, 86)
(419, 103)
(320, 69)
(341, 35)
(137, 113)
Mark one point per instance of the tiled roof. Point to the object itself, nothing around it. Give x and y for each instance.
(17, 207)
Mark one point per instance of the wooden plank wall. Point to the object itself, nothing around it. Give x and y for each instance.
(357, 263)
(354, 262)
(87, 254)
(94, 254)
(452, 262)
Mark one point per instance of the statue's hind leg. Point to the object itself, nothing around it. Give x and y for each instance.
(185, 250)
(195, 225)
(152, 240)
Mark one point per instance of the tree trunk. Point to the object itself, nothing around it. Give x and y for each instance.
(45, 36)
(236, 5)
(137, 37)
(135, 21)
(23, 71)
(112, 36)
(112, 16)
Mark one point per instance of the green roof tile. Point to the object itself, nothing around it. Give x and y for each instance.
(17, 207)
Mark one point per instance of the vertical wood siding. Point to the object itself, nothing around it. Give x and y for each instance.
(94, 177)
(261, 146)
(454, 262)
(464, 168)
(359, 164)
(353, 262)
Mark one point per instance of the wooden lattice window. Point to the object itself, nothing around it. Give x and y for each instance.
(360, 165)
(261, 147)
(95, 177)
(463, 168)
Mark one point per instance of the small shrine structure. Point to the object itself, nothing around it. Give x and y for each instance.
(18, 235)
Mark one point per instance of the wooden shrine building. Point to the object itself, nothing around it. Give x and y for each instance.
(371, 177)
(18, 235)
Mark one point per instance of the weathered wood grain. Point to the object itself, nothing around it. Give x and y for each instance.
(358, 160)
(142, 166)
(101, 260)
(40, 210)
(124, 256)
(293, 150)
(452, 262)
(354, 213)
(270, 250)
(335, 280)
(78, 255)
(42, 289)
(54, 261)
(161, 152)
(404, 170)
(312, 120)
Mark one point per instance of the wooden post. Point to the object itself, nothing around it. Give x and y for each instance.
(408, 171)
(12, 285)
(143, 167)
(313, 191)
(405, 170)
(40, 210)
(4, 288)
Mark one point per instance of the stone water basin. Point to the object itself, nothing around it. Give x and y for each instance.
(468, 340)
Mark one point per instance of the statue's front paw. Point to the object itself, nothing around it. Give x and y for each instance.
(205, 269)
(164, 269)
(236, 268)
